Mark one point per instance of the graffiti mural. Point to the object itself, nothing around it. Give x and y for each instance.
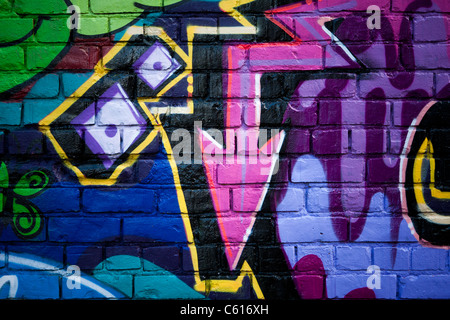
(224, 149)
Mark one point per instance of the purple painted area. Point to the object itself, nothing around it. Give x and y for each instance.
(156, 65)
(361, 293)
(362, 122)
(309, 278)
(99, 125)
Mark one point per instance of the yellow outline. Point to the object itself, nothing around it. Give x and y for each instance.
(209, 285)
(216, 285)
(229, 6)
(426, 151)
(99, 72)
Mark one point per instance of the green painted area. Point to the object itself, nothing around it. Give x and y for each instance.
(34, 33)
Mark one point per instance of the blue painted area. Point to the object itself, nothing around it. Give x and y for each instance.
(304, 228)
(154, 283)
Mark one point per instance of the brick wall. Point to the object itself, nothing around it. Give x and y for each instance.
(224, 149)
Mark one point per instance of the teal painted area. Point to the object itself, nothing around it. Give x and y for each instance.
(10, 113)
(46, 96)
(151, 282)
(72, 81)
(46, 87)
(37, 109)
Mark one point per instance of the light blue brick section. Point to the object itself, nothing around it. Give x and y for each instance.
(425, 287)
(307, 229)
(353, 257)
(317, 200)
(338, 286)
(383, 257)
(429, 259)
(293, 201)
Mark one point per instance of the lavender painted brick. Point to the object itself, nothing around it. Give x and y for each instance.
(317, 200)
(396, 141)
(443, 85)
(429, 259)
(342, 112)
(392, 258)
(430, 28)
(338, 286)
(293, 201)
(353, 257)
(352, 169)
(310, 229)
(353, 199)
(327, 88)
(376, 229)
(307, 168)
(428, 56)
(425, 287)
(421, 81)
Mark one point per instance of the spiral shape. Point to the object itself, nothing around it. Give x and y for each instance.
(26, 221)
(31, 183)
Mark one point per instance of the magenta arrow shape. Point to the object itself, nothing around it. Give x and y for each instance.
(245, 168)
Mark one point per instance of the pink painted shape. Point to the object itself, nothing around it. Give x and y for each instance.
(244, 164)
(236, 226)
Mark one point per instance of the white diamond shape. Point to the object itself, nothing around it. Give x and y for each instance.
(115, 114)
(156, 65)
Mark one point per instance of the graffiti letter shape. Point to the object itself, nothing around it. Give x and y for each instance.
(249, 168)
(13, 284)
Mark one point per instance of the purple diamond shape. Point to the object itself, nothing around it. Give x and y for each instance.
(156, 65)
(112, 127)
